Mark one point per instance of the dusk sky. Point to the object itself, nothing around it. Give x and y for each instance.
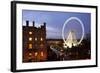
(55, 20)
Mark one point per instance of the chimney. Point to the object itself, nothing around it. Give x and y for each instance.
(33, 23)
(44, 24)
(27, 23)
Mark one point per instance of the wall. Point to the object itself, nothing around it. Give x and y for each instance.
(5, 36)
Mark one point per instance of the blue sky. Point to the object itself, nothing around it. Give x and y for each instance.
(55, 20)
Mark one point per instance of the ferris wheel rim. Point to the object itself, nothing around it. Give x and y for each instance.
(65, 23)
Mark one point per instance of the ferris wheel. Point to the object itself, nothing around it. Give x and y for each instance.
(71, 38)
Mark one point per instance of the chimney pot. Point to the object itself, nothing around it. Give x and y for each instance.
(44, 24)
(33, 23)
(27, 23)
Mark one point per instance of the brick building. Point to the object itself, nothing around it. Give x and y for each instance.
(34, 43)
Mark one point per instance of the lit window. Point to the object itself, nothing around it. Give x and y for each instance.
(41, 39)
(61, 50)
(30, 39)
(29, 57)
(35, 39)
(30, 32)
(30, 54)
(30, 46)
(36, 53)
(41, 45)
(41, 53)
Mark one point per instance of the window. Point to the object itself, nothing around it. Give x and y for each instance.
(35, 39)
(30, 32)
(41, 53)
(30, 54)
(30, 46)
(29, 57)
(41, 39)
(41, 45)
(36, 53)
(30, 38)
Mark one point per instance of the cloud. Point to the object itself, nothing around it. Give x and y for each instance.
(52, 29)
(53, 33)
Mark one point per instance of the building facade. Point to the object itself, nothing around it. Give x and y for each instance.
(34, 43)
